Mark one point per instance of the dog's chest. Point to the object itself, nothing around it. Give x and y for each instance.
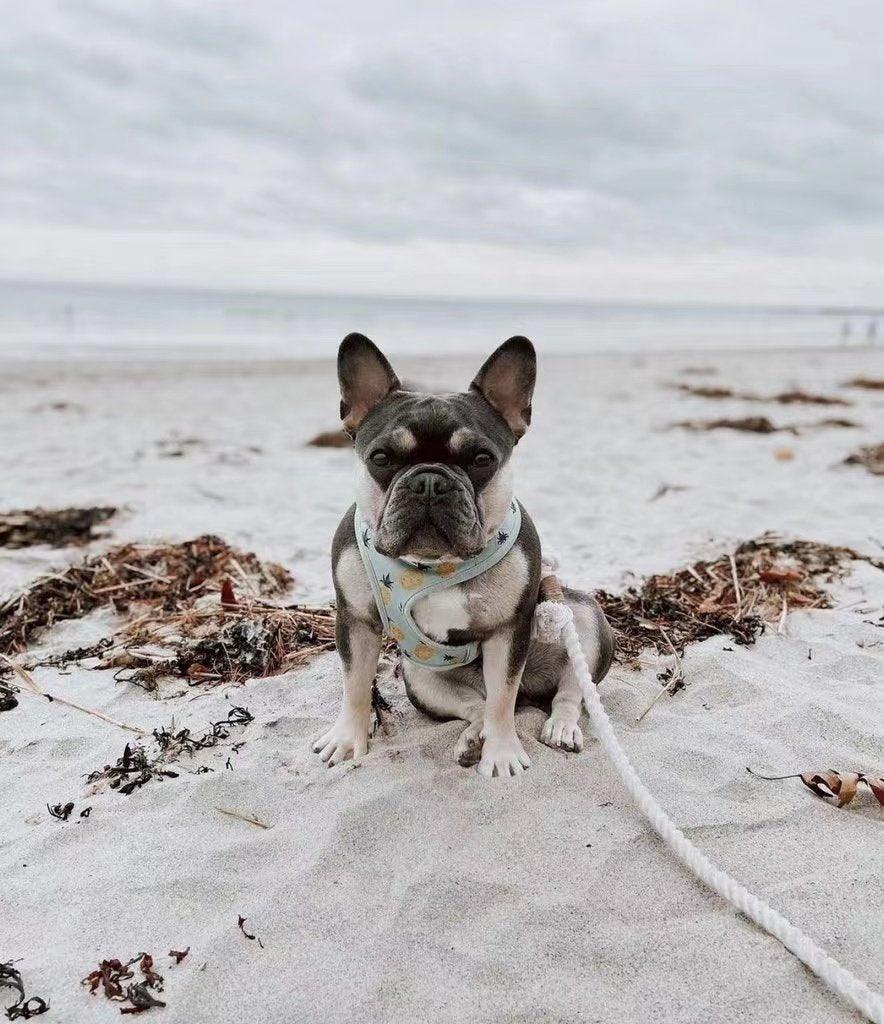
(441, 611)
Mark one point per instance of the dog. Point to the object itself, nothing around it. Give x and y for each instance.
(434, 495)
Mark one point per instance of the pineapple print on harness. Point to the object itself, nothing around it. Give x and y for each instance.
(398, 584)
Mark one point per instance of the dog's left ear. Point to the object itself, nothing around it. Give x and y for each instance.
(365, 376)
(506, 382)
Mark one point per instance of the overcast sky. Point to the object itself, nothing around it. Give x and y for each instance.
(731, 151)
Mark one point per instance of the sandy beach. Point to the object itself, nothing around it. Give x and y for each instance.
(404, 888)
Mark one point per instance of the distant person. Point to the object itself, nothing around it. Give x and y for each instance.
(845, 332)
(872, 332)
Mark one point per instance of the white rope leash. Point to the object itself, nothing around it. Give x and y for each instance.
(838, 978)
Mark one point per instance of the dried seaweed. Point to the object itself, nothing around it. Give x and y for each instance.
(137, 766)
(867, 383)
(747, 424)
(214, 643)
(762, 425)
(110, 975)
(331, 439)
(249, 935)
(61, 811)
(793, 397)
(24, 1007)
(8, 699)
(167, 577)
(734, 595)
(871, 456)
(57, 527)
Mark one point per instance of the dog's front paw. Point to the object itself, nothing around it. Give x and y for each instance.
(347, 738)
(502, 755)
(562, 732)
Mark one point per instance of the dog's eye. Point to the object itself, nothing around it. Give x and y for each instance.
(481, 460)
(380, 458)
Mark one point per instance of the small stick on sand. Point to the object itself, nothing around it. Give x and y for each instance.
(738, 594)
(672, 685)
(243, 817)
(781, 626)
(31, 687)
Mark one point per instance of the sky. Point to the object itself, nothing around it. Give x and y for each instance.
(628, 150)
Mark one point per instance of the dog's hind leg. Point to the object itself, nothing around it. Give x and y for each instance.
(458, 693)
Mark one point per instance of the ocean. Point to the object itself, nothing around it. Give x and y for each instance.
(39, 321)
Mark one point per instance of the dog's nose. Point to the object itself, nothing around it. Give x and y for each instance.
(429, 484)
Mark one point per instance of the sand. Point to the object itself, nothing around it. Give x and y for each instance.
(406, 888)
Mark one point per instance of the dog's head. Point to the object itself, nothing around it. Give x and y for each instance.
(434, 476)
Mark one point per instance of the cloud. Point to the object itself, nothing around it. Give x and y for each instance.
(673, 129)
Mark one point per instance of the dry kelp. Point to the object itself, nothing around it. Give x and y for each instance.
(170, 577)
(735, 595)
(331, 439)
(747, 424)
(56, 527)
(871, 456)
(866, 383)
(793, 397)
(137, 766)
(24, 1007)
(109, 978)
(220, 643)
(762, 425)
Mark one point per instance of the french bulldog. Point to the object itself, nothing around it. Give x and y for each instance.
(434, 482)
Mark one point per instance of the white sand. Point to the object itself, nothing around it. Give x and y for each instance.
(409, 889)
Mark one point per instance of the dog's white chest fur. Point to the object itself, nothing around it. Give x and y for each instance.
(440, 611)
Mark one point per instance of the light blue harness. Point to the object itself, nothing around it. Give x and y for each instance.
(398, 584)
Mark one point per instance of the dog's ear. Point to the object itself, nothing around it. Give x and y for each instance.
(365, 377)
(506, 382)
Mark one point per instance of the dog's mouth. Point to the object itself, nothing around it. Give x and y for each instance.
(428, 525)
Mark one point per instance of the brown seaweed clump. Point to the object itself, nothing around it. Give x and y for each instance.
(331, 439)
(871, 456)
(139, 764)
(793, 397)
(56, 527)
(220, 643)
(762, 425)
(866, 383)
(112, 978)
(141, 578)
(733, 595)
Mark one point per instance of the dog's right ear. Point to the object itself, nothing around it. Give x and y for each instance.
(365, 377)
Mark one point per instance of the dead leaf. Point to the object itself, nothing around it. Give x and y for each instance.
(837, 787)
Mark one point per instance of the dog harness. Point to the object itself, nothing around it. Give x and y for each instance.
(399, 583)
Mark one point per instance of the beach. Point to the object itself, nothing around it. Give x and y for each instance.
(404, 887)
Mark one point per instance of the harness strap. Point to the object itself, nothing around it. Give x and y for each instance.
(398, 584)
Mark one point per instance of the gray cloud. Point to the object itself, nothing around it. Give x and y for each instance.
(679, 126)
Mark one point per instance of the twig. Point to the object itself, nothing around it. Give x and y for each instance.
(772, 778)
(782, 623)
(243, 817)
(738, 594)
(31, 687)
(672, 685)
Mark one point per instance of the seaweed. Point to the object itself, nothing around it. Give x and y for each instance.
(735, 595)
(793, 397)
(870, 456)
(57, 527)
(109, 978)
(167, 577)
(137, 765)
(24, 1007)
